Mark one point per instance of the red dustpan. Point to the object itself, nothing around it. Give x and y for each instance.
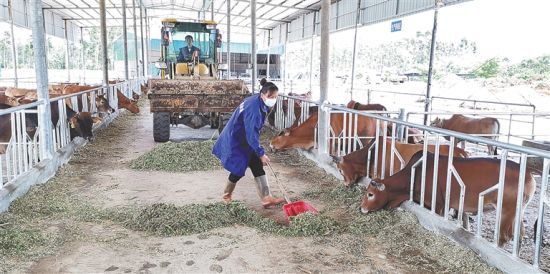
(293, 208)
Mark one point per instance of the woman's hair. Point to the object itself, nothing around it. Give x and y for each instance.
(263, 81)
(268, 87)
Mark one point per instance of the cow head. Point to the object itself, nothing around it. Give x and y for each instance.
(81, 125)
(280, 141)
(349, 171)
(103, 105)
(438, 122)
(375, 198)
(132, 107)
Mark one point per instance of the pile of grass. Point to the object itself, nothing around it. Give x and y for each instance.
(170, 220)
(179, 157)
(15, 241)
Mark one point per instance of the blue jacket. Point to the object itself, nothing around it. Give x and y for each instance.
(241, 136)
(186, 53)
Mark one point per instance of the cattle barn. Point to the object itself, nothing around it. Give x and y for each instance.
(375, 136)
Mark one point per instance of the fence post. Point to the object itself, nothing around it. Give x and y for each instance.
(400, 129)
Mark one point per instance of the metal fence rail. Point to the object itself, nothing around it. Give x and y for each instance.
(21, 152)
(487, 226)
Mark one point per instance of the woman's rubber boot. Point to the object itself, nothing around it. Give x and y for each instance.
(229, 187)
(265, 195)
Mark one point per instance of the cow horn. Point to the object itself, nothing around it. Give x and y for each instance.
(336, 159)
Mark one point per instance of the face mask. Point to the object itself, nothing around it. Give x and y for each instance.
(270, 102)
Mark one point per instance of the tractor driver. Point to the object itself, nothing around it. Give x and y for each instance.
(187, 53)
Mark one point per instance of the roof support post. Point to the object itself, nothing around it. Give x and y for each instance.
(284, 58)
(68, 51)
(135, 38)
(13, 47)
(83, 57)
(323, 130)
(212, 10)
(311, 53)
(357, 20)
(253, 48)
(103, 23)
(141, 38)
(41, 70)
(228, 39)
(147, 43)
(428, 100)
(268, 53)
(125, 41)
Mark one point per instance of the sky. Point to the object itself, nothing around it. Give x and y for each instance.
(501, 28)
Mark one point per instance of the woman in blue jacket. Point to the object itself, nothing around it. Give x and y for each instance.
(238, 146)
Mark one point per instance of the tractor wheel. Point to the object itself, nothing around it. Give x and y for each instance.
(223, 119)
(214, 120)
(161, 126)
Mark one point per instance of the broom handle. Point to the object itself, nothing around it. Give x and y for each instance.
(279, 184)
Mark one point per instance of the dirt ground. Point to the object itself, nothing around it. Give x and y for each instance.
(99, 178)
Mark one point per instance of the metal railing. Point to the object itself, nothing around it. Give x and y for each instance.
(516, 125)
(21, 151)
(454, 176)
(487, 225)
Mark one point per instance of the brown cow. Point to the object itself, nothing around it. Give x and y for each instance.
(80, 123)
(478, 174)
(101, 102)
(124, 102)
(358, 106)
(353, 166)
(302, 136)
(461, 123)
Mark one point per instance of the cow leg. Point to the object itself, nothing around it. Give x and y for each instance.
(466, 221)
(506, 227)
(491, 150)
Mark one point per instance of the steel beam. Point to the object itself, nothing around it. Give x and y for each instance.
(228, 47)
(147, 44)
(41, 69)
(357, 21)
(67, 57)
(324, 70)
(83, 58)
(428, 100)
(253, 47)
(135, 37)
(268, 53)
(13, 47)
(125, 41)
(141, 38)
(103, 20)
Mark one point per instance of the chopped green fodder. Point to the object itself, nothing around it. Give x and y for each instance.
(171, 220)
(178, 157)
(15, 241)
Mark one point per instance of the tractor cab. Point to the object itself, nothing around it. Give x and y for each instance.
(189, 49)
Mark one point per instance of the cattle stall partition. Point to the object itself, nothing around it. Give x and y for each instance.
(20, 147)
(512, 160)
(441, 186)
(515, 126)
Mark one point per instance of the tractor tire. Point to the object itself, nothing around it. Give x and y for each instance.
(223, 119)
(161, 126)
(214, 120)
